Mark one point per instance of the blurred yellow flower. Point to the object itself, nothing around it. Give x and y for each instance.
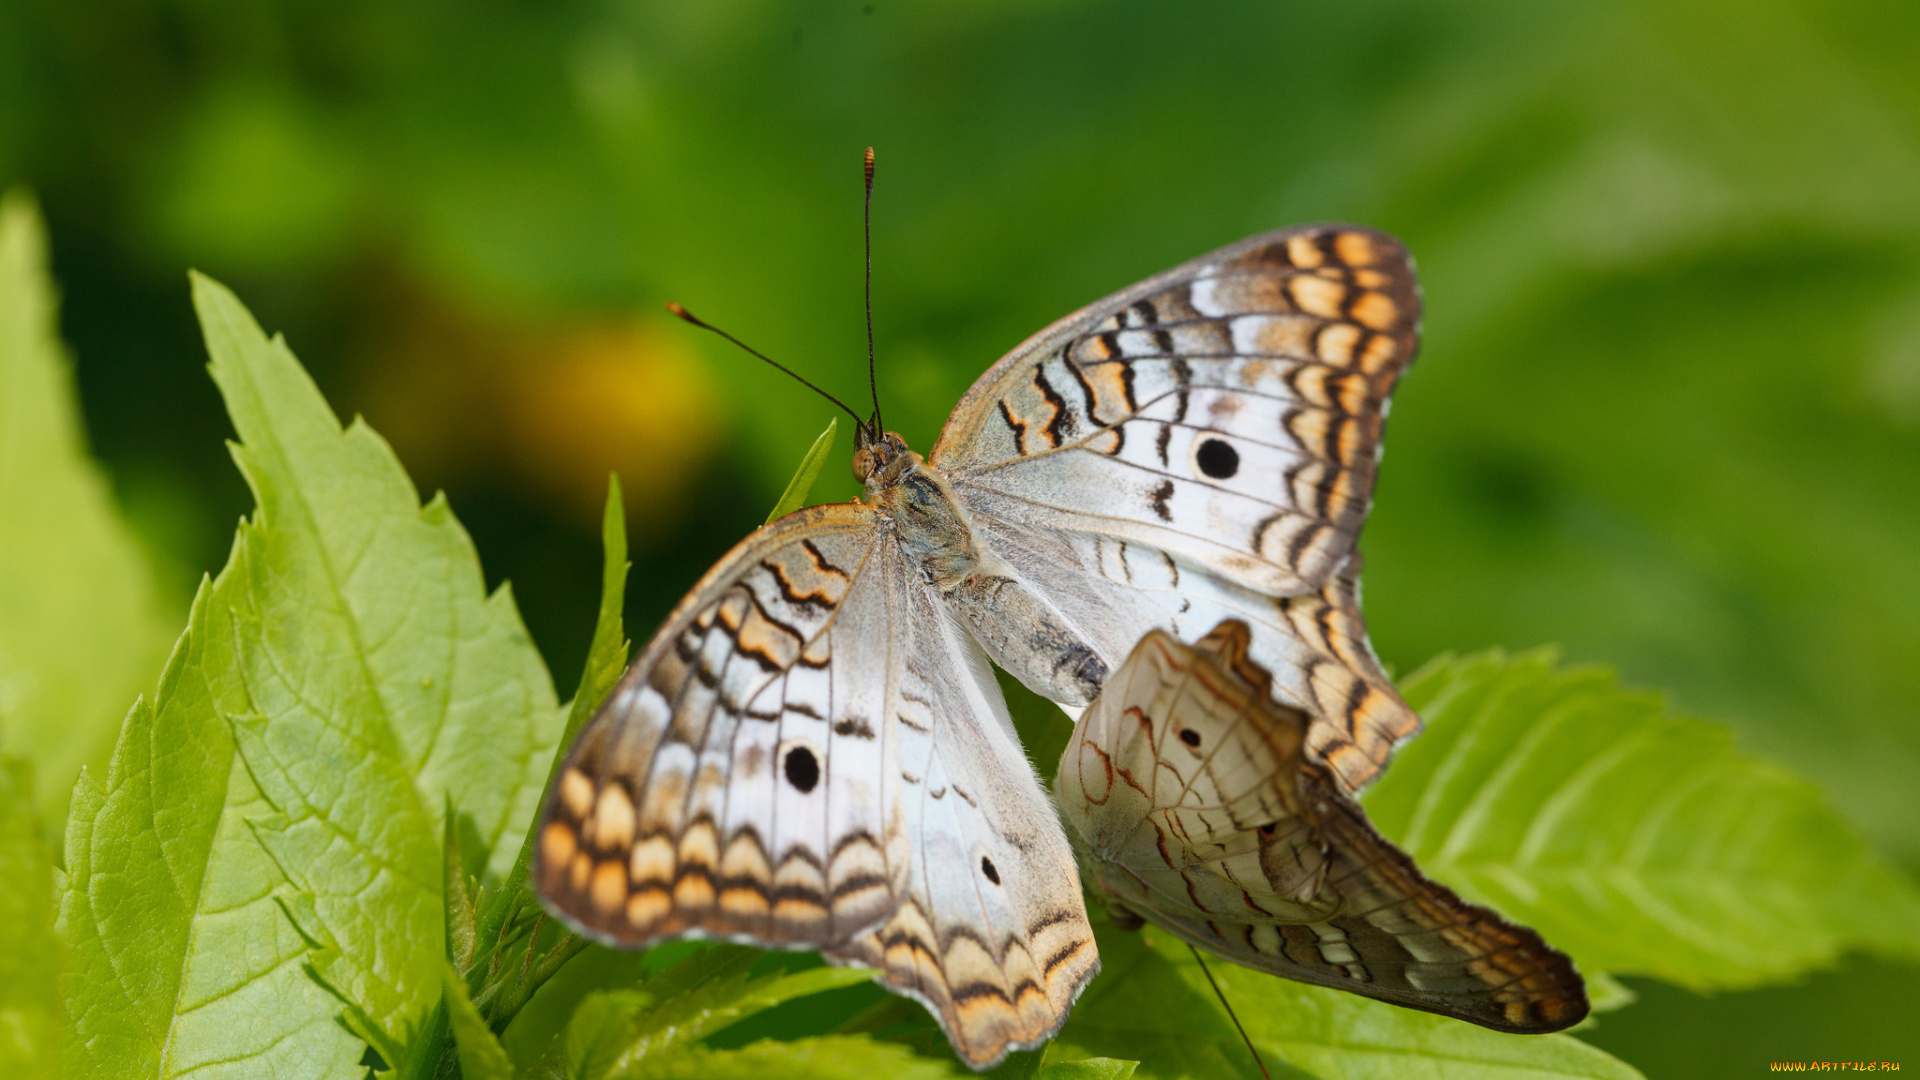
(610, 397)
(550, 405)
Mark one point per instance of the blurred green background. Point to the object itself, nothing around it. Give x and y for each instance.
(1667, 412)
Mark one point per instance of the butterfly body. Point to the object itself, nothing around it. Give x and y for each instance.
(812, 752)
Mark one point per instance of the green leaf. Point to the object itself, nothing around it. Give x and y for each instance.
(714, 988)
(1027, 1065)
(606, 661)
(1139, 1006)
(1638, 842)
(802, 483)
(350, 646)
(1087, 1069)
(1017, 1065)
(687, 1001)
(1151, 1002)
(1606, 994)
(826, 1057)
(607, 654)
(30, 959)
(1332, 1034)
(601, 1030)
(458, 918)
(535, 1031)
(81, 630)
(481, 1056)
(383, 680)
(179, 959)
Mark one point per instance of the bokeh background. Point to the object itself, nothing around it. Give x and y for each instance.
(1667, 413)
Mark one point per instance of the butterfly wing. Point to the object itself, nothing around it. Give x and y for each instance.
(1112, 591)
(1228, 411)
(993, 935)
(1187, 787)
(740, 781)
(811, 754)
(1202, 447)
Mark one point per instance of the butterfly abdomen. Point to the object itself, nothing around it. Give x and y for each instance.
(1029, 637)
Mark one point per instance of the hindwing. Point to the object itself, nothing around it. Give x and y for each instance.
(1195, 806)
(993, 934)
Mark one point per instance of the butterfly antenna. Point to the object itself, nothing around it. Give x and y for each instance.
(686, 316)
(867, 222)
(1223, 1004)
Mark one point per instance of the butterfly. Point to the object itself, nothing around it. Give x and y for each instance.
(812, 752)
(1194, 804)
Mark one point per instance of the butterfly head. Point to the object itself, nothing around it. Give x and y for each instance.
(879, 458)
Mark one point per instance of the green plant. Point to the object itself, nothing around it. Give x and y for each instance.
(308, 854)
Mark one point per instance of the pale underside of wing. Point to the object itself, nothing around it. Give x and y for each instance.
(992, 935)
(1228, 411)
(1194, 806)
(739, 781)
(1112, 591)
(810, 754)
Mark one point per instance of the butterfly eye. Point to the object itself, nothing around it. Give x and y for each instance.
(803, 770)
(986, 867)
(1190, 737)
(1217, 459)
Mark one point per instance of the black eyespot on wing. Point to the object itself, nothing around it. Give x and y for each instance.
(1190, 737)
(987, 868)
(1217, 459)
(1268, 828)
(803, 769)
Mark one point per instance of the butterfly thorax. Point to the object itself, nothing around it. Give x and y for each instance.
(1020, 629)
(928, 522)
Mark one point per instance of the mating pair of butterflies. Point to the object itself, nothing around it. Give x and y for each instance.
(813, 753)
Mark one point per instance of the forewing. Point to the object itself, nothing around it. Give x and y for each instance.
(740, 782)
(1280, 871)
(993, 934)
(1228, 411)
